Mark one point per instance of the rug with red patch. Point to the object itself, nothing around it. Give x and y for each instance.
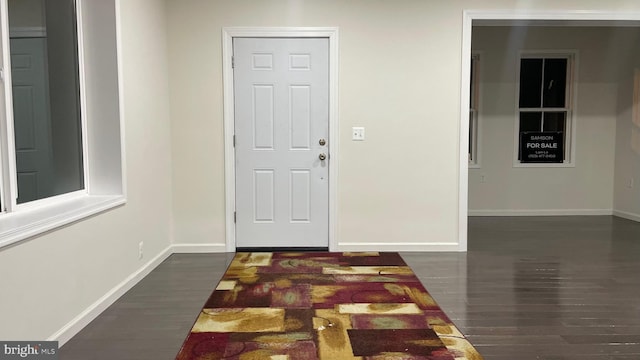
(320, 305)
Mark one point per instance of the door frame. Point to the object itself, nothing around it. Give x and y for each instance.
(606, 18)
(228, 33)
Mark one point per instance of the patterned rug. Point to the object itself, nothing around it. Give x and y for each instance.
(328, 306)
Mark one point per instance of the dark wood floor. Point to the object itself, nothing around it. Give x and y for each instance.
(557, 288)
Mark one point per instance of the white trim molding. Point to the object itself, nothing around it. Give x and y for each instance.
(228, 33)
(542, 212)
(488, 17)
(19, 226)
(555, 17)
(89, 314)
(198, 248)
(627, 215)
(399, 246)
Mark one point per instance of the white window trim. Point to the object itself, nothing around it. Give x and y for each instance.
(572, 83)
(105, 185)
(18, 226)
(476, 163)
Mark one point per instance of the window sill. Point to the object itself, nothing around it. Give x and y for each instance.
(544, 165)
(18, 226)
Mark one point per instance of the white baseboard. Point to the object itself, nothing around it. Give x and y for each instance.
(84, 318)
(398, 246)
(626, 215)
(90, 313)
(542, 212)
(198, 248)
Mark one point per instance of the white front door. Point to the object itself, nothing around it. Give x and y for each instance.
(281, 98)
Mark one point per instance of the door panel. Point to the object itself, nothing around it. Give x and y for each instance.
(300, 100)
(300, 196)
(264, 196)
(281, 96)
(263, 117)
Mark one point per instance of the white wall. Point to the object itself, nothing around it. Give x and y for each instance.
(400, 65)
(388, 190)
(49, 280)
(586, 188)
(627, 164)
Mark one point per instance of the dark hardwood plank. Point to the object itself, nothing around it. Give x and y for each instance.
(543, 288)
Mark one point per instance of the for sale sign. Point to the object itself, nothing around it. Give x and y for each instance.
(542, 147)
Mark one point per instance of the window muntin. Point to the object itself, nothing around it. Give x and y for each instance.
(544, 104)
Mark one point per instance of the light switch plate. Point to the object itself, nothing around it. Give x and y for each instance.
(357, 134)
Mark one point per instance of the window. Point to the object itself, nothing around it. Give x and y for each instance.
(45, 112)
(473, 111)
(544, 109)
(59, 113)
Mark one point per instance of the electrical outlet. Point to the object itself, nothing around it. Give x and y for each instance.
(140, 247)
(358, 134)
(483, 179)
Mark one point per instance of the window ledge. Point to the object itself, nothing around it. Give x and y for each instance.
(18, 226)
(544, 165)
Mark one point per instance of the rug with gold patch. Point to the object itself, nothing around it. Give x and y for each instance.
(320, 305)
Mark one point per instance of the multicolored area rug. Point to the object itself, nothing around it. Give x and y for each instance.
(328, 306)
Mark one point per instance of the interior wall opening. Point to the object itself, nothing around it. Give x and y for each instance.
(553, 124)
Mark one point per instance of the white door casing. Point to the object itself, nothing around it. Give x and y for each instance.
(281, 97)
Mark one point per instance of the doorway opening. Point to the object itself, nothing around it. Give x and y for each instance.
(599, 56)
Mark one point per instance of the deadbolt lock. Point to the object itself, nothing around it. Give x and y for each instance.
(322, 142)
